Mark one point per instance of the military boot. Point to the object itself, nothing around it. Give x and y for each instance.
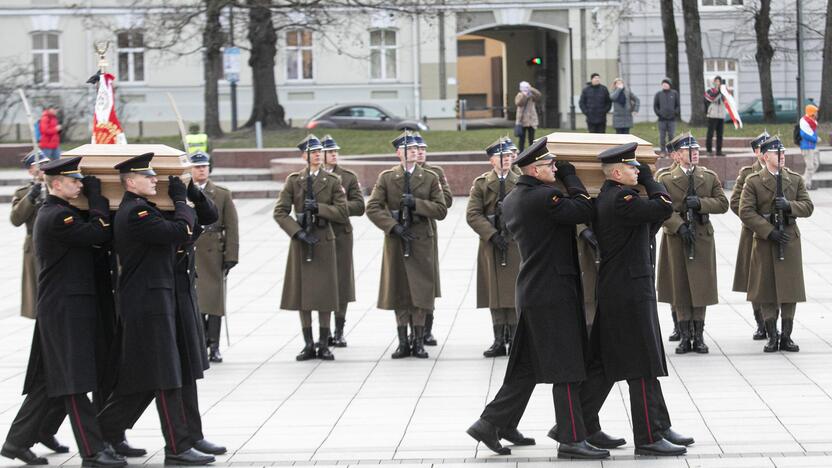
(699, 345)
(676, 335)
(786, 343)
(338, 341)
(429, 339)
(498, 348)
(323, 346)
(684, 342)
(214, 353)
(510, 329)
(760, 334)
(308, 351)
(403, 350)
(418, 349)
(773, 336)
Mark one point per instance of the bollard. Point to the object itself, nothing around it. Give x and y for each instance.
(258, 134)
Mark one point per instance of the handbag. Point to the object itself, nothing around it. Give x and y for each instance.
(518, 131)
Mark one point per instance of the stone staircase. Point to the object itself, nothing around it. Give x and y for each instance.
(823, 178)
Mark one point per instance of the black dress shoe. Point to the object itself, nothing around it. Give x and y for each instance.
(125, 450)
(205, 446)
(603, 440)
(661, 448)
(52, 444)
(515, 437)
(23, 454)
(675, 438)
(485, 432)
(103, 459)
(190, 457)
(581, 450)
(214, 354)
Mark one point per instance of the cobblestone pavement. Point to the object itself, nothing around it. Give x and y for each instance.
(745, 408)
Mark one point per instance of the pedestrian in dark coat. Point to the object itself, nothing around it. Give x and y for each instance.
(550, 340)
(595, 103)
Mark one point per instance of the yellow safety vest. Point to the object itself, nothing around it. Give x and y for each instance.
(197, 142)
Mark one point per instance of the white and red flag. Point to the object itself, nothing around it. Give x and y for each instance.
(730, 106)
(106, 129)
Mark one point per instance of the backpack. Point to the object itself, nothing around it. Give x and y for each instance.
(796, 134)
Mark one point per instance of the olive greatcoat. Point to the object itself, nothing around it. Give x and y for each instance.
(311, 285)
(146, 244)
(662, 254)
(495, 283)
(407, 283)
(626, 334)
(746, 235)
(24, 211)
(551, 324)
(681, 281)
(219, 243)
(771, 280)
(65, 341)
(343, 234)
(448, 196)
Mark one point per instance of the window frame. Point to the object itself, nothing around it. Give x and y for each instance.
(44, 54)
(299, 56)
(706, 8)
(725, 73)
(131, 51)
(382, 49)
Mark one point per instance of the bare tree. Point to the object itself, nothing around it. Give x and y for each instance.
(764, 54)
(263, 39)
(696, 71)
(213, 39)
(825, 112)
(671, 43)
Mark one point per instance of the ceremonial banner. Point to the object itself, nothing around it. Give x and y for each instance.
(106, 129)
(731, 106)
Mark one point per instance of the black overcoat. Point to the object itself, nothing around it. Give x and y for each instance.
(552, 325)
(626, 334)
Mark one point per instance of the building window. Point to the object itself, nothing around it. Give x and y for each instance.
(299, 55)
(130, 56)
(719, 3)
(470, 48)
(383, 54)
(475, 101)
(46, 57)
(727, 69)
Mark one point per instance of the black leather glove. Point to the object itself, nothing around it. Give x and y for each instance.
(409, 201)
(693, 202)
(686, 234)
(194, 193)
(306, 238)
(781, 237)
(645, 174)
(564, 169)
(590, 238)
(34, 191)
(310, 206)
(227, 265)
(91, 186)
(177, 190)
(499, 241)
(405, 234)
(782, 204)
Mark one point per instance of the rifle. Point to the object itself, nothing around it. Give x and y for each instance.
(498, 212)
(405, 215)
(690, 213)
(308, 219)
(779, 216)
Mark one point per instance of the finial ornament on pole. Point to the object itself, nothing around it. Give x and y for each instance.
(101, 48)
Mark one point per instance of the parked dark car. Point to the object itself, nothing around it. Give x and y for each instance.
(361, 116)
(785, 111)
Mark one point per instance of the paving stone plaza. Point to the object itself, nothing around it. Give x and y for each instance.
(745, 408)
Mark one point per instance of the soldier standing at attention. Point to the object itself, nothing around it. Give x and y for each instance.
(626, 341)
(343, 237)
(430, 340)
(747, 235)
(687, 280)
(550, 343)
(498, 259)
(775, 281)
(662, 253)
(311, 278)
(404, 201)
(217, 252)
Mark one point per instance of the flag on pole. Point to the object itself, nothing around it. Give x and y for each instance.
(106, 129)
(730, 106)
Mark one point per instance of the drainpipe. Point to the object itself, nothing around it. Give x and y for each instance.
(417, 39)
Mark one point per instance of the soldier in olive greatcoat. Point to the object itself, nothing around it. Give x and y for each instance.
(662, 253)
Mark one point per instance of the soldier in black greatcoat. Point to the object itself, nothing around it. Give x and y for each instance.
(550, 340)
(150, 364)
(62, 364)
(626, 341)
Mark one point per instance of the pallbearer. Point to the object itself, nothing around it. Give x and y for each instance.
(498, 260)
(772, 200)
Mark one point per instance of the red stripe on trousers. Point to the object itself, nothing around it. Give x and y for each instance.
(646, 415)
(571, 414)
(167, 421)
(80, 426)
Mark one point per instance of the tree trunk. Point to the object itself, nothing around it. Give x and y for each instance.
(765, 52)
(212, 41)
(263, 39)
(696, 71)
(825, 112)
(671, 44)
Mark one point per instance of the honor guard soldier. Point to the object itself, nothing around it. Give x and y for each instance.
(403, 203)
(771, 201)
(498, 259)
(217, 252)
(551, 339)
(514, 152)
(746, 234)
(662, 253)
(430, 340)
(149, 361)
(311, 278)
(687, 280)
(62, 362)
(626, 341)
(343, 237)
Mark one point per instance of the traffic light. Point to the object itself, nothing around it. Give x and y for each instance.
(534, 61)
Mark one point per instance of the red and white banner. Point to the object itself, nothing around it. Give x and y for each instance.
(106, 130)
(730, 106)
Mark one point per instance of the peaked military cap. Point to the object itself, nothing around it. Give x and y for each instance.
(684, 141)
(34, 157)
(137, 165)
(625, 153)
(537, 151)
(310, 143)
(200, 158)
(329, 143)
(511, 145)
(759, 139)
(772, 144)
(405, 138)
(496, 148)
(63, 167)
(420, 142)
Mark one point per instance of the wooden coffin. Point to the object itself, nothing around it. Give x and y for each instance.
(99, 161)
(582, 149)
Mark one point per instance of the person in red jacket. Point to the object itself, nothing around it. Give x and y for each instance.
(50, 138)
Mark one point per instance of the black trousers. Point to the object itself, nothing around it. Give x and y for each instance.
(122, 412)
(715, 126)
(596, 128)
(622, 130)
(508, 406)
(528, 133)
(647, 406)
(213, 325)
